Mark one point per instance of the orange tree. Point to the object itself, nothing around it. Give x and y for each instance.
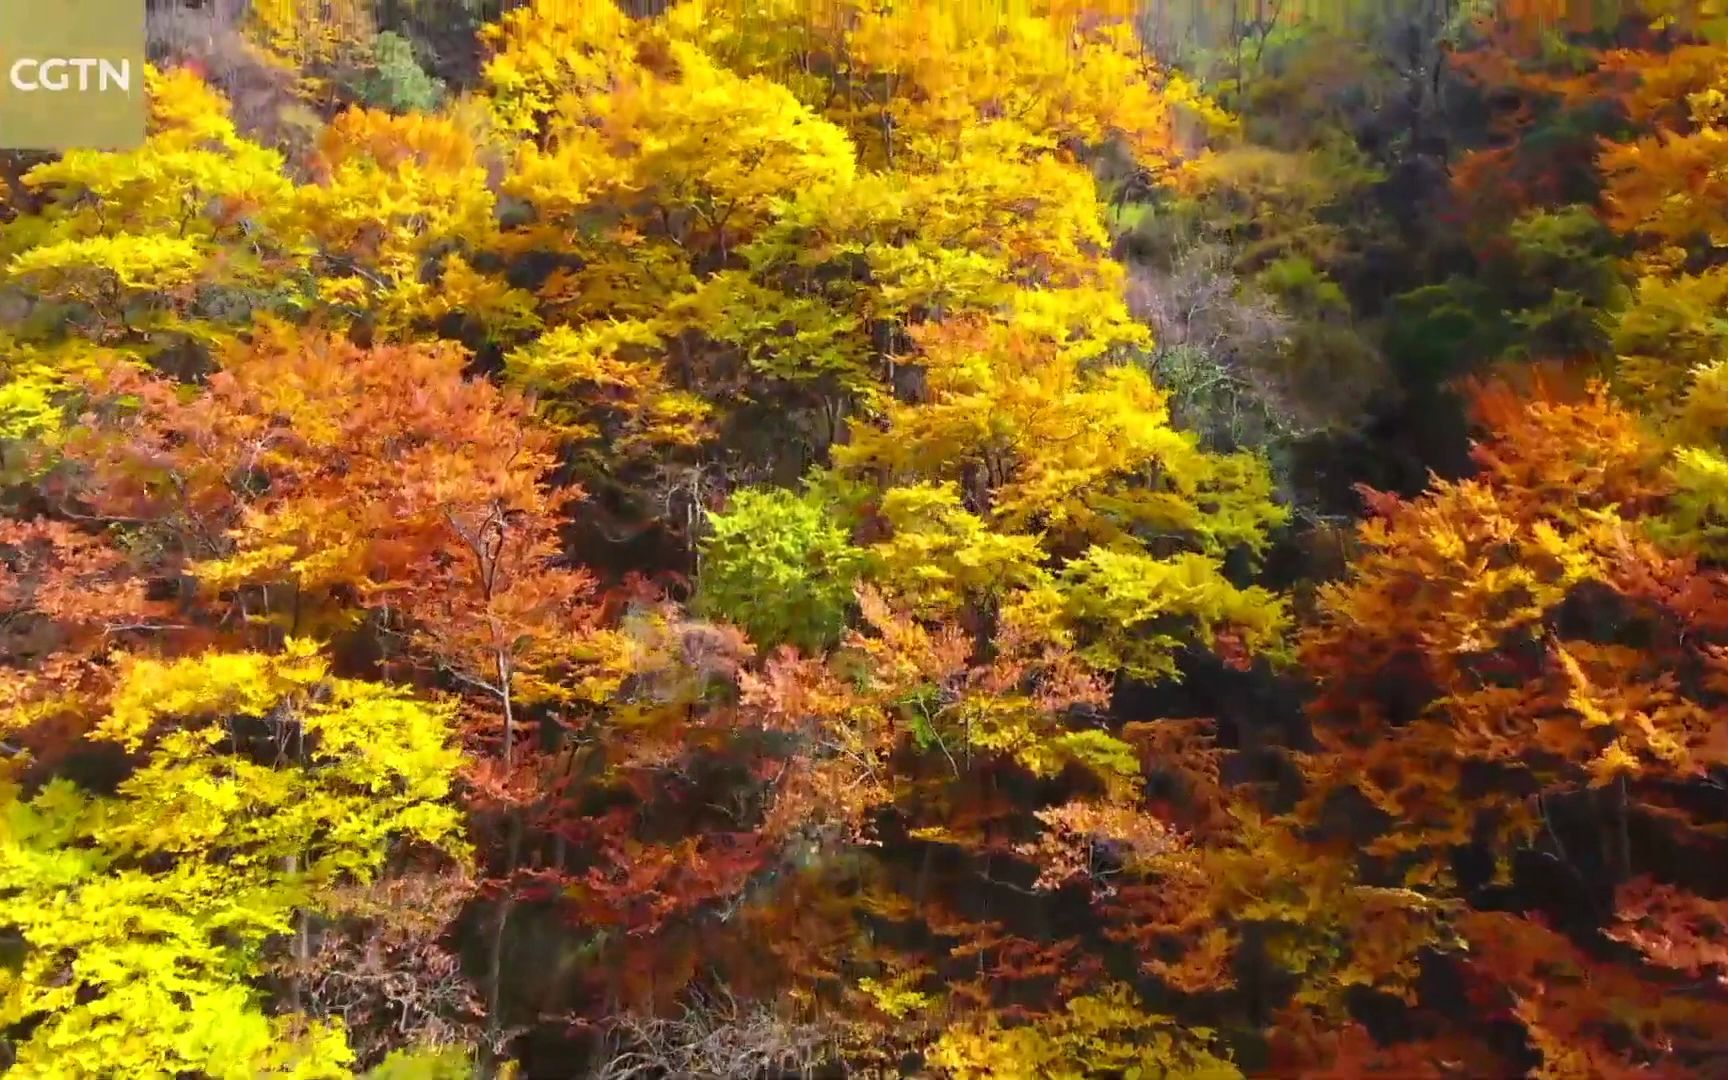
(1519, 714)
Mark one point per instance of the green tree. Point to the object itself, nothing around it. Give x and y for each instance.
(780, 565)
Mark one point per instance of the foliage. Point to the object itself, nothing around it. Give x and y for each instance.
(1544, 641)
(707, 538)
(780, 567)
(417, 1064)
(1106, 1033)
(143, 913)
(395, 80)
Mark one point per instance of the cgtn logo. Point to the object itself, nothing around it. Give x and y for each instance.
(72, 75)
(58, 74)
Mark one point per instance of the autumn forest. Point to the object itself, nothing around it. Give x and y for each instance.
(883, 538)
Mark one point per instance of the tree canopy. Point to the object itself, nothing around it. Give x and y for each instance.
(1049, 539)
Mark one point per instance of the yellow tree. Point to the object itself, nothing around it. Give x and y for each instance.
(1664, 192)
(315, 41)
(911, 78)
(260, 785)
(730, 243)
(156, 256)
(177, 242)
(394, 204)
(1113, 520)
